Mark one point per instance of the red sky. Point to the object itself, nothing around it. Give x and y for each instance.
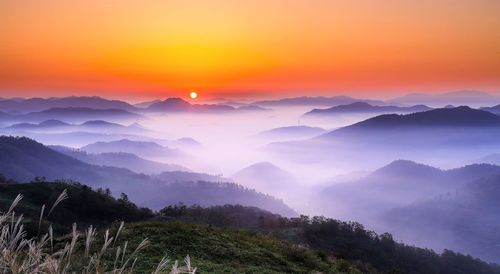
(146, 49)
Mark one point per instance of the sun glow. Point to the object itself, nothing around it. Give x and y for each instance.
(193, 95)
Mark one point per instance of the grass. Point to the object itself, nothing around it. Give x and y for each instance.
(223, 250)
(77, 252)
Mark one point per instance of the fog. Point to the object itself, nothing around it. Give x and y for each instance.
(315, 165)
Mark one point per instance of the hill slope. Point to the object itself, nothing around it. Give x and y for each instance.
(465, 220)
(23, 159)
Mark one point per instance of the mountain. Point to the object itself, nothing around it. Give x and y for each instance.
(184, 176)
(209, 193)
(363, 107)
(250, 108)
(291, 132)
(314, 101)
(464, 97)
(120, 159)
(445, 127)
(465, 220)
(493, 109)
(40, 104)
(444, 117)
(140, 148)
(493, 159)
(78, 114)
(397, 184)
(179, 105)
(266, 177)
(147, 103)
(435, 134)
(23, 159)
(48, 124)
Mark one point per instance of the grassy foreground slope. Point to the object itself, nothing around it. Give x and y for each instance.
(223, 250)
(235, 239)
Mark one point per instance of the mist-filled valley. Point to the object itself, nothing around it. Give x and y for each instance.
(425, 171)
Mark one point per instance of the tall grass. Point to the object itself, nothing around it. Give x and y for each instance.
(78, 252)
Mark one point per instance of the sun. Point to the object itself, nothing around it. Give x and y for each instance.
(193, 94)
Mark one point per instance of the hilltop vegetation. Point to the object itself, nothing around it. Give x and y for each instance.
(247, 240)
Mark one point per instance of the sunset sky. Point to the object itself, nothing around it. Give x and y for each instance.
(146, 49)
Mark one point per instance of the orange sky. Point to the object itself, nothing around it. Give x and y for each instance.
(130, 48)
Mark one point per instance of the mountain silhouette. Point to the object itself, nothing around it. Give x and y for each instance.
(394, 185)
(363, 107)
(463, 97)
(48, 124)
(120, 159)
(291, 132)
(465, 220)
(179, 105)
(21, 105)
(459, 116)
(140, 148)
(23, 159)
(77, 114)
(314, 101)
(493, 109)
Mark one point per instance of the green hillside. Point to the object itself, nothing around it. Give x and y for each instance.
(232, 238)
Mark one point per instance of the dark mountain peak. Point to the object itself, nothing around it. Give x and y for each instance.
(170, 104)
(475, 170)
(358, 105)
(406, 168)
(459, 116)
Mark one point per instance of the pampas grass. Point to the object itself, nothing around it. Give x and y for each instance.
(76, 254)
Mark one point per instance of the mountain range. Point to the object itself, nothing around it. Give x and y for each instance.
(364, 108)
(120, 159)
(77, 115)
(267, 177)
(23, 159)
(465, 220)
(290, 132)
(463, 97)
(314, 101)
(21, 105)
(140, 148)
(407, 181)
(88, 126)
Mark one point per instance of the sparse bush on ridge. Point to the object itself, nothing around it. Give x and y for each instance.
(76, 252)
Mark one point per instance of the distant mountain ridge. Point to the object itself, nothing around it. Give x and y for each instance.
(121, 160)
(463, 97)
(77, 114)
(363, 107)
(21, 105)
(180, 105)
(22, 159)
(459, 116)
(315, 101)
(140, 148)
(281, 133)
(465, 220)
(407, 181)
